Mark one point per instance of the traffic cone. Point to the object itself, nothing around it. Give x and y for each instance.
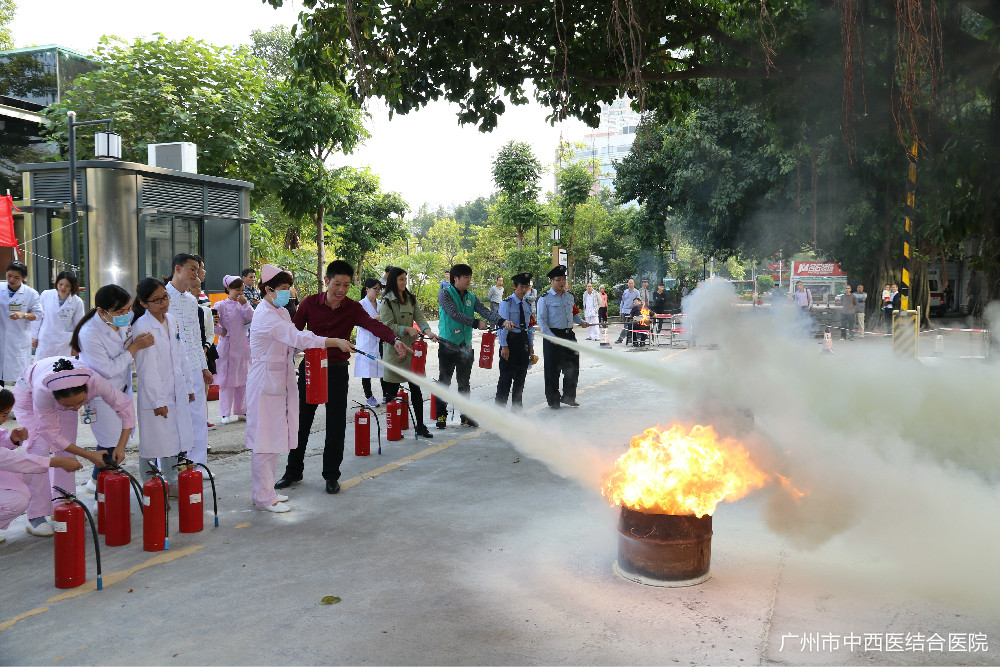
(827, 341)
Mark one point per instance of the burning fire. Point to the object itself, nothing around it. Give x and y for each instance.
(675, 471)
(644, 315)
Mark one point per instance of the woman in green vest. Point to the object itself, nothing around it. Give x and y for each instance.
(398, 311)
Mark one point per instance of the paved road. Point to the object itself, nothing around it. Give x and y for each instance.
(468, 549)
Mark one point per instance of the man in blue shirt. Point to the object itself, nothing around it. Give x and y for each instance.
(517, 345)
(624, 308)
(556, 318)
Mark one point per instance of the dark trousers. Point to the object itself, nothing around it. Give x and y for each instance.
(626, 333)
(511, 383)
(602, 315)
(416, 398)
(454, 360)
(847, 321)
(336, 424)
(559, 359)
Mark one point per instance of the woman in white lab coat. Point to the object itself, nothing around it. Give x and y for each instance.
(163, 372)
(62, 310)
(19, 307)
(367, 342)
(48, 395)
(272, 393)
(103, 341)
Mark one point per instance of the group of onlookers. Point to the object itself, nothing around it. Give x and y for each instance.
(853, 304)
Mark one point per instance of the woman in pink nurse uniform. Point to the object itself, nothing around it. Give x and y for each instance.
(272, 393)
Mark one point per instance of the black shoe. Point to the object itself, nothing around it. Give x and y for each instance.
(441, 422)
(286, 481)
(554, 406)
(423, 432)
(567, 401)
(332, 486)
(468, 421)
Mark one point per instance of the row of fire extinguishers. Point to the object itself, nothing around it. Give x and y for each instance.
(114, 491)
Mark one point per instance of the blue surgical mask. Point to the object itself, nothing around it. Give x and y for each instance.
(282, 297)
(121, 320)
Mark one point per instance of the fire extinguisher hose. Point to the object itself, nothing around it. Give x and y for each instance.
(215, 498)
(66, 495)
(413, 420)
(132, 481)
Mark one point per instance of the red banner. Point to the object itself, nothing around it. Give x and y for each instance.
(819, 269)
(7, 208)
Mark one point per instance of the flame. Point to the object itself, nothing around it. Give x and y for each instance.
(644, 315)
(674, 471)
(786, 484)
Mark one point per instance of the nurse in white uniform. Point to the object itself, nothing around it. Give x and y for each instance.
(103, 341)
(62, 310)
(162, 372)
(19, 307)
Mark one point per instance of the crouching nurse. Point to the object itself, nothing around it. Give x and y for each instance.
(13, 490)
(272, 392)
(48, 395)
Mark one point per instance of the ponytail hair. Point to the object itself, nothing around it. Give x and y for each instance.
(143, 291)
(109, 297)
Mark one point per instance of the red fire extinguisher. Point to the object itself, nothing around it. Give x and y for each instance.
(394, 420)
(486, 350)
(69, 542)
(362, 431)
(191, 508)
(405, 398)
(155, 517)
(434, 408)
(316, 375)
(418, 362)
(117, 492)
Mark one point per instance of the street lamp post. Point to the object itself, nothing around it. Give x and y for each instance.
(107, 145)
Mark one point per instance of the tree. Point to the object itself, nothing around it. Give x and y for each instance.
(575, 182)
(445, 238)
(310, 124)
(7, 10)
(161, 90)
(516, 171)
(489, 254)
(273, 48)
(365, 218)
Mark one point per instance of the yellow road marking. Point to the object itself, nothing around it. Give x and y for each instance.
(241, 525)
(115, 577)
(674, 354)
(33, 612)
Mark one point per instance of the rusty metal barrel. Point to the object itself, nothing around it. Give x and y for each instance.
(664, 549)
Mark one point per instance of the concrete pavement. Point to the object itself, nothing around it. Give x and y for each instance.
(466, 550)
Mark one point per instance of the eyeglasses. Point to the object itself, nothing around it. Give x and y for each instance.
(162, 300)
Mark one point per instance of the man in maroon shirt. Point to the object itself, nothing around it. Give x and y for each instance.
(331, 314)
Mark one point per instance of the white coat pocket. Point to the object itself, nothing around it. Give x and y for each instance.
(275, 382)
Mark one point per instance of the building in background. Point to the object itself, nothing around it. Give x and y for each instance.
(610, 143)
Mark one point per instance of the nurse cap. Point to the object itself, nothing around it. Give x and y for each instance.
(227, 279)
(66, 376)
(269, 271)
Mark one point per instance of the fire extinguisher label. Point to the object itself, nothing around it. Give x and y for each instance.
(363, 420)
(418, 353)
(59, 526)
(145, 501)
(194, 498)
(100, 497)
(322, 364)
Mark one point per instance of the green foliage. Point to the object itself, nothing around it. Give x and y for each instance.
(765, 283)
(365, 218)
(445, 238)
(273, 47)
(7, 10)
(161, 90)
(516, 171)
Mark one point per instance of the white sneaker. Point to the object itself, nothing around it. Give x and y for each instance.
(91, 486)
(276, 507)
(282, 498)
(42, 530)
(226, 420)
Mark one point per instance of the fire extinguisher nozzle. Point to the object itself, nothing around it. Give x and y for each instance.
(216, 522)
(166, 544)
(100, 583)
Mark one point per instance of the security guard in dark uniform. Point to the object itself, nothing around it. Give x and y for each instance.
(556, 318)
(516, 346)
